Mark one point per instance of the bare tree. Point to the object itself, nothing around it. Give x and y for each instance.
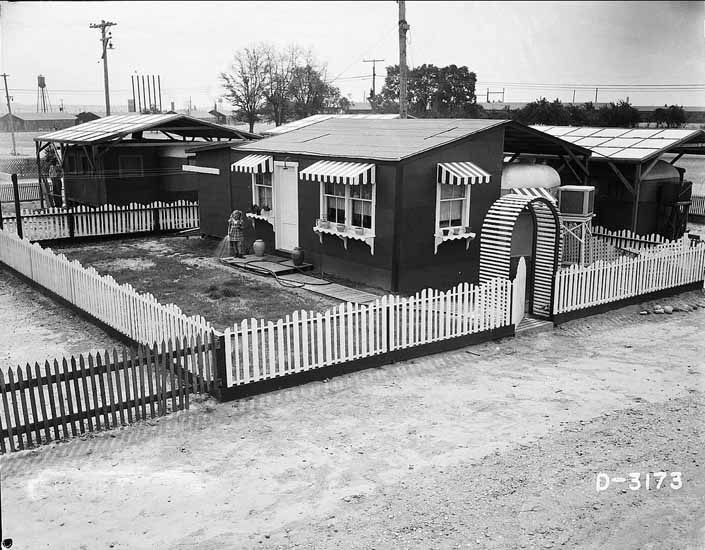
(309, 91)
(245, 85)
(279, 73)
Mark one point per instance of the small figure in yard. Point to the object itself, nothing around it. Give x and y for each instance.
(235, 226)
(55, 176)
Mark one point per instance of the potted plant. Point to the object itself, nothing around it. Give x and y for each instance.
(256, 209)
(359, 230)
(445, 231)
(266, 210)
(324, 223)
(340, 227)
(456, 231)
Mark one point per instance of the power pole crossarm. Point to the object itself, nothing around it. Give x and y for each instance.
(107, 44)
(374, 74)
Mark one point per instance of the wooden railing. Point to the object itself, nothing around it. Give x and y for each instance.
(582, 287)
(69, 397)
(258, 350)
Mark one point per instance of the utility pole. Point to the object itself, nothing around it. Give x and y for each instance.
(9, 112)
(107, 42)
(596, 97)
(403, 27)
(374, 74)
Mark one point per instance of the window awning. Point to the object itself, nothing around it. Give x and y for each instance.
(461, 173)
(254, 164)
(534, 192)
(349, 173)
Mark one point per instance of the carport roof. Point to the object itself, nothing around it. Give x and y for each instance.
(630, 145)
(115, 127)
(398, 139)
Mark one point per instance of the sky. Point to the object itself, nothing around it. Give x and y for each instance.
(652, 51)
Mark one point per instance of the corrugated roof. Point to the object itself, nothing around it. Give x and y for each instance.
(314, 119)
(379, 139)
(45, 116)
(625, 144)
(117, 126)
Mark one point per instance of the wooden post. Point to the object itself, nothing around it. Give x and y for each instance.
(18, 213)
(155, 220)
(637, 189)
(220, 364)
(71, 222)
(39, 176)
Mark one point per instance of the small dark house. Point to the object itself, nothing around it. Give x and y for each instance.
(397, 204)
(37, 122)
(636, 183)
(132, 158)
(86, 116)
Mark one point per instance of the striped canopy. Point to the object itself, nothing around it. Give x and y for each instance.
(254, 164)
(350, 173)
(533, 192)
(461, 173)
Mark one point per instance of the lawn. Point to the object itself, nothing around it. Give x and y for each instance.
(186, 272)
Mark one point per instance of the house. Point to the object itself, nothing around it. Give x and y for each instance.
(36, 122)
(397, 204)
(121, 159)
(636, 185)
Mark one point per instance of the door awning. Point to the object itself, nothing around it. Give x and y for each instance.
(534, 192)
(254, 164)
(349, 173)
(461, 173)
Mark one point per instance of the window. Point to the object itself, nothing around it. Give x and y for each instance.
(262, 190)
(452, 205)
(130, 166)
(353, 205)
(334, 195)
(361, 205)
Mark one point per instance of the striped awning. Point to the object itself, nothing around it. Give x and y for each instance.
(461, 173)
(254, 164)
(534, 192)
(349, 173)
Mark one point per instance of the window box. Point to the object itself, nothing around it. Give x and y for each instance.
(262, 196)
(462, 233)
(362, 234)
(262, 216)
(452, 214)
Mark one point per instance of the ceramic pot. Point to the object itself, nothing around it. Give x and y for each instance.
(341, 227)
(258, 246)
(297, 256)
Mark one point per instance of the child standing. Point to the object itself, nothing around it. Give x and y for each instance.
(235, 224)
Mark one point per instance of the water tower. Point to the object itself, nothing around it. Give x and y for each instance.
(43, 103)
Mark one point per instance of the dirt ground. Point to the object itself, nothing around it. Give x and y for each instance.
(33, 327)
(186, 272)
(493, 446)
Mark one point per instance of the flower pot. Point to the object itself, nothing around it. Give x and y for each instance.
(359, 230)
(258, 246)
(297, 256)
(446, 232)
(456, 231)
(340, 227)
(325, 224)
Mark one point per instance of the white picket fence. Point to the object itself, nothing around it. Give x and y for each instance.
(697, 205)
(582, 287)
(29, 191)
(258, 350)
(86, 221)
(137, 315)
(624, 238)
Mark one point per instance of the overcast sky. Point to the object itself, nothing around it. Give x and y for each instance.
(506, 43)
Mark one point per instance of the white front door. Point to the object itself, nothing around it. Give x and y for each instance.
(285, 187)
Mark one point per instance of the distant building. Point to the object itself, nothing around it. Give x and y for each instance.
(86, 116)
(37, 122)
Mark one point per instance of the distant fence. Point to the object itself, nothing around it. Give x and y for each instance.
(624, 238)
(86, 394)
(257, 351)
(674, 265)
(138, 316)
(29, 191)
(86, 221)
(697, 205)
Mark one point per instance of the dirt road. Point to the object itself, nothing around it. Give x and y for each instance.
(493, 446)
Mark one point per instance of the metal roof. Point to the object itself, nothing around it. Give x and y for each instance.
(397, 139)
(314, 119)
(115, 127)
(634, 145)
(44, 116)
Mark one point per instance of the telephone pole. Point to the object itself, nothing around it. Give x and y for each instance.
(9, 112)
(374, 74)
(107, 42)
(403, 27)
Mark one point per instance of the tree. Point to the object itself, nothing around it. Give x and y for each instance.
(542, 111)
(619, 115)
(245, 85)
(279, 74)
(431, 92)
(310, 93)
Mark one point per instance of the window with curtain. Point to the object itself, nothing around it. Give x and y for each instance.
(361, 206)
(262, 195)
(334, 202)
(452, 205)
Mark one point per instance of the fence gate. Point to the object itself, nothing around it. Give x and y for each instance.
(496, 244)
